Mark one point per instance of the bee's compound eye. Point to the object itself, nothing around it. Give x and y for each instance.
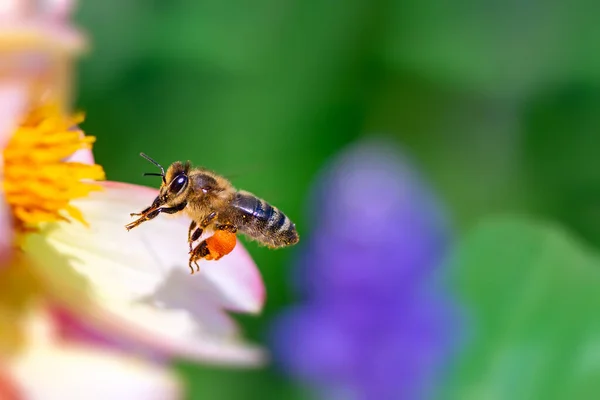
(178, 183)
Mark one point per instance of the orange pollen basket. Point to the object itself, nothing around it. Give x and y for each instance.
(220, 244)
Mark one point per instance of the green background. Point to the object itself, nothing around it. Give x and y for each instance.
(498, 101)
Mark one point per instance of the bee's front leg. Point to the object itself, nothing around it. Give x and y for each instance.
(146, 216)
(141, 212)
(156, 203)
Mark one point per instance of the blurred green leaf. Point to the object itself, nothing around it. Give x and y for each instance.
(468, 144)
(532, 291)
(233, 384)
(508, 47)
(561, 144)
(115, 30)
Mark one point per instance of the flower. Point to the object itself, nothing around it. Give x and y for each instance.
(37, 46)
(373, 326)
(66, 260)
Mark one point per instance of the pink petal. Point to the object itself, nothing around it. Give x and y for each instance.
(84, 156)
(42, 23)
(8, 388)
(79, 329)
(58, 9)
(112, 328)
(13, 100)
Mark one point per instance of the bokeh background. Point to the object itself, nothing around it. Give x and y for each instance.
(496, 105)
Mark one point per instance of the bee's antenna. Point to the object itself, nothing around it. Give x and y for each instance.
(153, 162)
(162, 170)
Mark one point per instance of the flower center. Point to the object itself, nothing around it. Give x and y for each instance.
(39, 181)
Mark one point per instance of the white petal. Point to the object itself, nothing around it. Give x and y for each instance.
(69, 371)
(49, 369)
(142, 285)
(167, 333)
(153, 258)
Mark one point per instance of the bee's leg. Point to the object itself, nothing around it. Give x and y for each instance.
(208, 219)
(135, 223)
(192, 237)
(193, 225)
(146, 216)
(195, 236)
(193, 261)
(155, 205)
(215, 247)
(141, 212)
(172, 210)
(198, 253)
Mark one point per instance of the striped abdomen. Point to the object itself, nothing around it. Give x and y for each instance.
(263, 222)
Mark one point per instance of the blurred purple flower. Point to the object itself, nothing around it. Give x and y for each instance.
(374, 326)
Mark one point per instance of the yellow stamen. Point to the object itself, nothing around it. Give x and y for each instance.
(39, 184)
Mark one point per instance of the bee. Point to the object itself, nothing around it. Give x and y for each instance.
(215, 205)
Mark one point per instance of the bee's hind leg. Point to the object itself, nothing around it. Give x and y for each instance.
(199, 252)
(193, 261)
(213, 248)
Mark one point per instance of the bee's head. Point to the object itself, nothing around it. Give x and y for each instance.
(175, 186)
(175, 183)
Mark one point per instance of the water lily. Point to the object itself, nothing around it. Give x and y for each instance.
(64, 251)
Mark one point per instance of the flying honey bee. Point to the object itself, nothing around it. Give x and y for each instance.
(215, 205)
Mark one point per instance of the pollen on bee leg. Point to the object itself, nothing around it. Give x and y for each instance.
(220, 244)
